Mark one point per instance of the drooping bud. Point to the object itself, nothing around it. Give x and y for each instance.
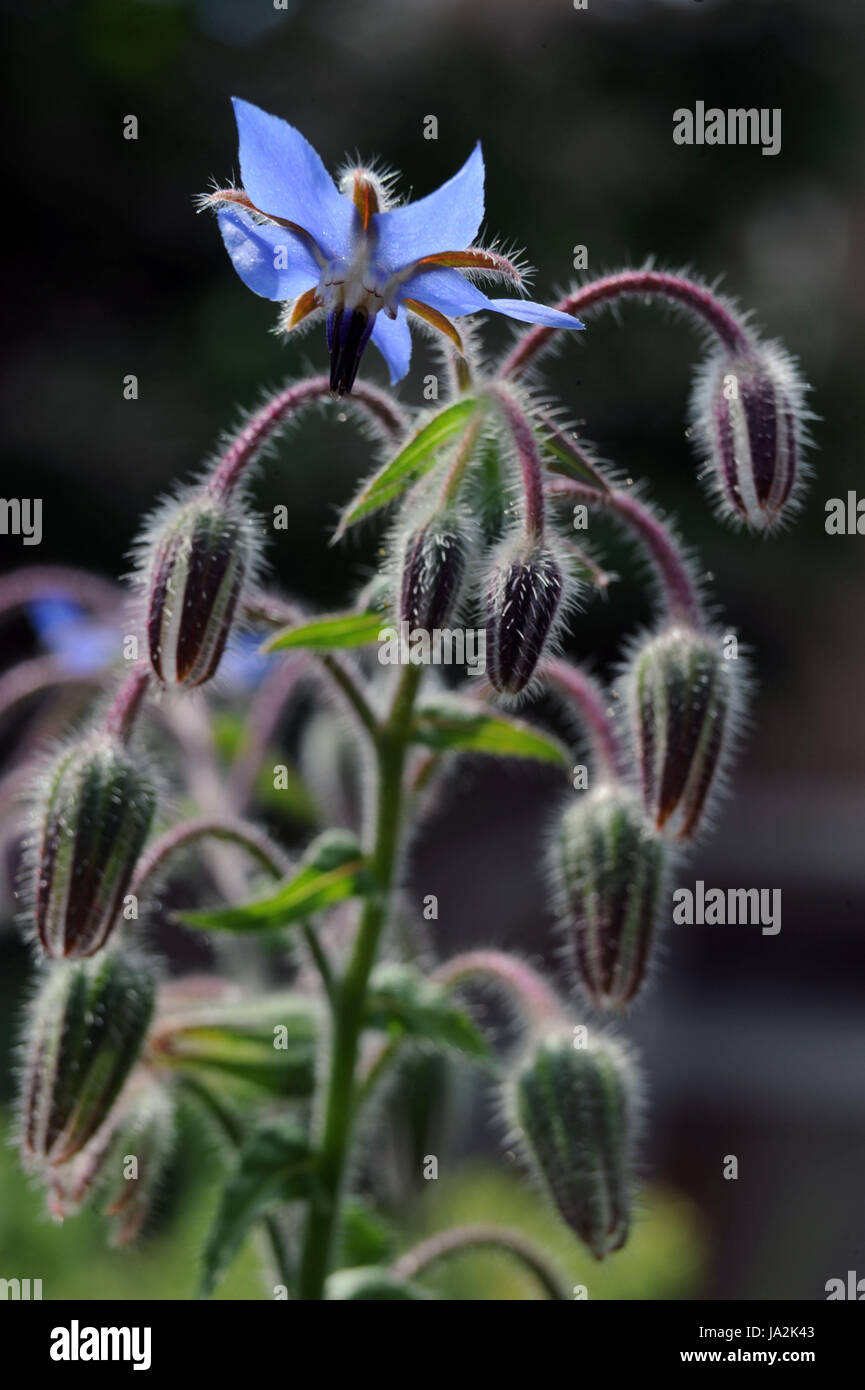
(434, 565)
(195, 565)
(524, 591)
(85, 1034)
(608, 869)
(93, 814)
(748, 416)
(577, 1110)
(682, 707)
(136, 1161)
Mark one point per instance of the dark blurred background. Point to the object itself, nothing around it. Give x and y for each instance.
(754, 1045)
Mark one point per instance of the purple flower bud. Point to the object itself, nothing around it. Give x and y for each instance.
(85, 1033)
(434, 565)
(682, 706)
(93, 813)
(196, 564)
(524, 592)
(749, 421)
(576, 1108)
(608, 872)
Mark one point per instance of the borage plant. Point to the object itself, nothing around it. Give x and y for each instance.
(484, 485)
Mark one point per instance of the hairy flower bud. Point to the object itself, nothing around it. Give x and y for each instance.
(608, 871)
(749, 417)
(682, 707)
(524, 591)
(434, 564)
(135, 1163)
(93, 813)
(576, 1108)
(84, 1036)
(197, 560)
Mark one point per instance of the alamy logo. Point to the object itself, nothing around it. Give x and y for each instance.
(21, 1289)
(22, 516)
(853, 1289)
(76, 1343)
(737, 126)
(407, 646)
(735, 907)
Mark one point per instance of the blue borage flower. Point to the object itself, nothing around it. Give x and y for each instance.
(294, 236)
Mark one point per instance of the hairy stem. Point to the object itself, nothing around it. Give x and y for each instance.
(123, 710)
(462, 1238)
(680, 591)
(537, 1002)
(249, 837)
(350, 998)
(640, 283)
(587, 698)
(265, 423)
(529, 459)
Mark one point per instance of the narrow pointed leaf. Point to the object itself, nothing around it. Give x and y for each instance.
(274, 1166)
(329, 634)
(401, 999)
(450, 725)
(332, 870)
(563, 457)
(413, 460)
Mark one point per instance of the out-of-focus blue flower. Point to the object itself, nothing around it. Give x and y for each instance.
(293, 235)
(244, 665)
(82, 643)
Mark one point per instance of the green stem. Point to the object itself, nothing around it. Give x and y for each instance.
(350, 1000)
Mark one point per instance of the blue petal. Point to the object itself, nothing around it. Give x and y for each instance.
(393, 340)
(284, 176)
(82, 644)
(256, 250)
(51, 615)
(527, 311)
(447, 291)
(447, 220)
(244, 666)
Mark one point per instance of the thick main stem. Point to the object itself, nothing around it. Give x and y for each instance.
(350, 997)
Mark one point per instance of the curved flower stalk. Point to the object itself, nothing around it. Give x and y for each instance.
(471, 482)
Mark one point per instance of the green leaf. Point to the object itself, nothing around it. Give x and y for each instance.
(402, 999)
(451, 725)
(413, 460)
(329, 634)
(269, 1044)
(274, 1165)
(332, 870)
(566, 459)
(364, 1238)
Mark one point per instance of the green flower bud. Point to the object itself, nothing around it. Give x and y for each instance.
(683, 706)
(608, 872)
(135, 1164)
(576, 1109)
(84, 1036)
(93, 814)
(195, 565)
